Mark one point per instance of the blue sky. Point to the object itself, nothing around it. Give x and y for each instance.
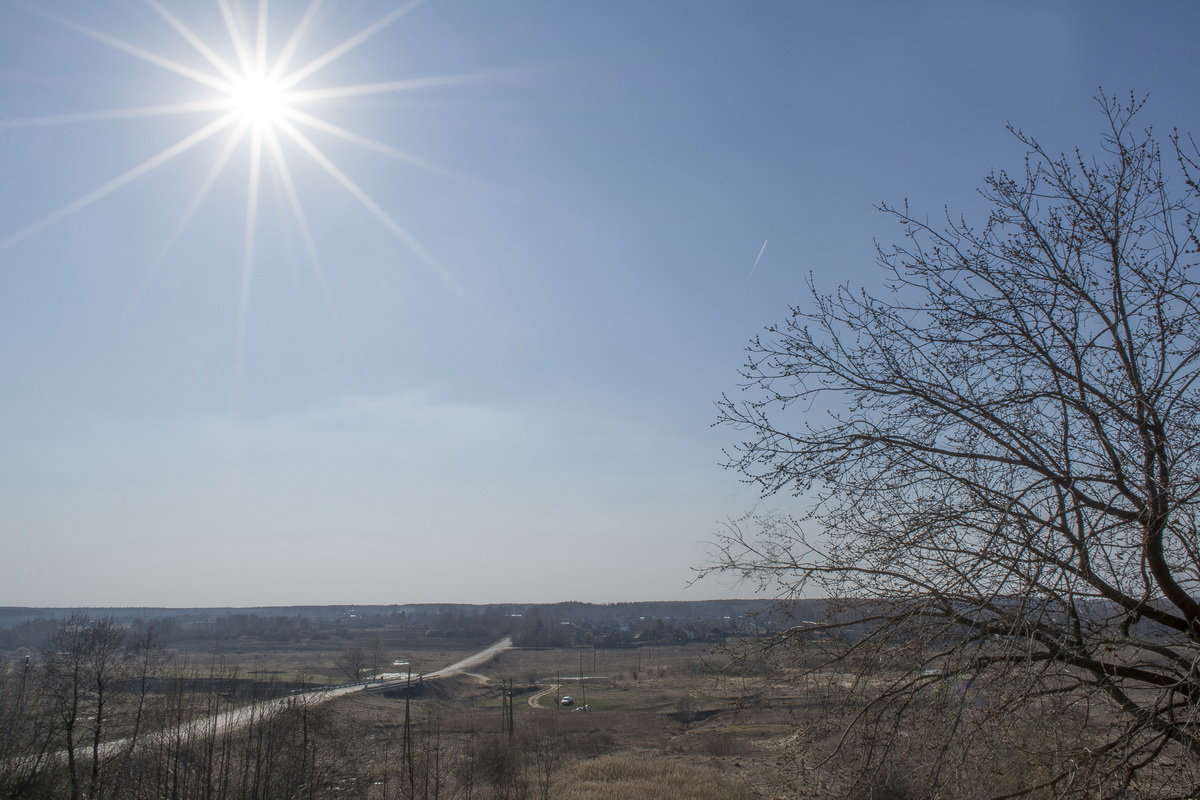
(524, 413)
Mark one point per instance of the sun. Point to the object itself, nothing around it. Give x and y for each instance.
(254, 90)
(260, 101)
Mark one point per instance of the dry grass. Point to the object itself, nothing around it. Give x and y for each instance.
(647, 777)
(317, 660)
(651, 665)
(672, 727)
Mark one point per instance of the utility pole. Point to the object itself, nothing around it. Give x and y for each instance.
(408, 753)
(507, 698)
(582, 681)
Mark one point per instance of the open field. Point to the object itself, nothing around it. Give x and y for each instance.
(661, 716)
(318, 661)
(663, 723)
(670, 712)
(665, 719)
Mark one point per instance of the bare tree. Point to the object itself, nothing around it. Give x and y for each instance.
(1000, 455)
(83, 664)
(376, 656)
(352, 663)
(27, 734)
(66, 683)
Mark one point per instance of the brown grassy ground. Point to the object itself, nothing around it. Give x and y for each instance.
(683, 723)
(653, 778)
(316, 661)
(668, 721)
(675, 727)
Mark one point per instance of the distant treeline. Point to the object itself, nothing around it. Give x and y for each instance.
(555, 624)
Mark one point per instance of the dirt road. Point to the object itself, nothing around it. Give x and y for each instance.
(239, 717)
(483, 656)
(535, 699)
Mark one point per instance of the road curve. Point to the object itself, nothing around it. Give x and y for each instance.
(483, 656)
(233, 719)
(534, 699)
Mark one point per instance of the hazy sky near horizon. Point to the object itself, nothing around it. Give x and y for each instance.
(482, 366)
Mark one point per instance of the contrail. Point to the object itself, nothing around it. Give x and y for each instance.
(761, 250)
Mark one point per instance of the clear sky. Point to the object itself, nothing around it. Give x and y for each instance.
(471, 350)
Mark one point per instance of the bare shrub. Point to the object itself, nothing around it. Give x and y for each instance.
(645, 777)
(712, 743)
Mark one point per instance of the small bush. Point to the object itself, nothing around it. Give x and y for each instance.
(646, 778)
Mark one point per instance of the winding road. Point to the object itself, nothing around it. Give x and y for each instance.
(535, 699)
(235, 718)
(483, 656)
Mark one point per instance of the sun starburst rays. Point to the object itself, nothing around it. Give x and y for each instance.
(256, 94)
(249, 240)
(151, 163)
(195, 41)
(259, 92)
